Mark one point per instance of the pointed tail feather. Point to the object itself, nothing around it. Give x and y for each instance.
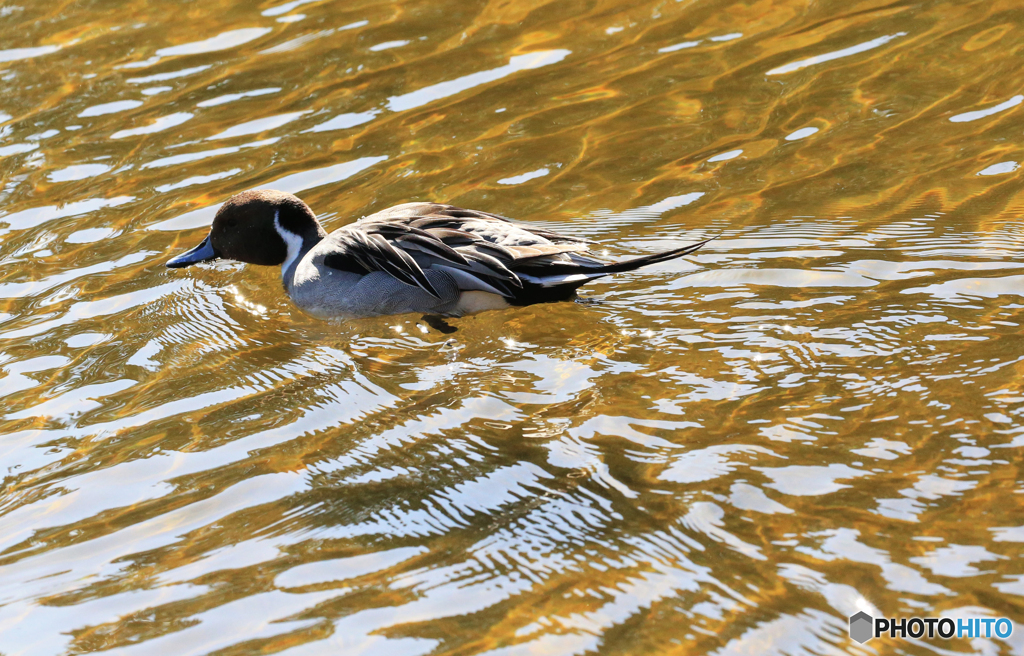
(563, 284)
(637, 262)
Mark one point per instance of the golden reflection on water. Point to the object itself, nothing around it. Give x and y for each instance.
(820, 413)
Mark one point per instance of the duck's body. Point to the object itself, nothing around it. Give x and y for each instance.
(418, 257)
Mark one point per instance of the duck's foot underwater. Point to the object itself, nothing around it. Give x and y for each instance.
(438, 323)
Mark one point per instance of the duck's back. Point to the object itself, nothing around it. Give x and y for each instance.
(436, 235)
(523, 240)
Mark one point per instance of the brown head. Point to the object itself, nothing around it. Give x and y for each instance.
(261, 226)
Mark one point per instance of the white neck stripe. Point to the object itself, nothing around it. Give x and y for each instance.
(291, 240)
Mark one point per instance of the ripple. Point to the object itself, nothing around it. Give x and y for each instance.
(972, 287)
(344, 121)
(803, 480)
(706, 464)
(171, 75)
(160, 124)
(17, 149)
(1000, 168)
(16, 380)
(83, 340)
(722, 157)
(110, 108)
(984, 113)
(93, 309)
(18, 54)
(388, 45)
(25, 219)
(838, 54)
(434, 92)
(525, 177)
(223, 41)
(192, 157)
(198, 180)
(74, 402)
(232, 97)
(286, 7)
(91, 235)
(257, 126)
(78, 172)
(340, 569)
(802, 133)
(680, 46)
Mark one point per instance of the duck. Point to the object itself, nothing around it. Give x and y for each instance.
(422, 257)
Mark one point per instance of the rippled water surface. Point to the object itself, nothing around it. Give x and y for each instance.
(821, 412)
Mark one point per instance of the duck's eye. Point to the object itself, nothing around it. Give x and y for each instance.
(231, 223)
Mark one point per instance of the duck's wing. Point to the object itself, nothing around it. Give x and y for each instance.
(437, 214)
(481, 251)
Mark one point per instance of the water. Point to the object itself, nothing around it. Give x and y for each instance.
(820, 413)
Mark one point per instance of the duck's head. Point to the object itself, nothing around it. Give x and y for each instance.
(261, 226)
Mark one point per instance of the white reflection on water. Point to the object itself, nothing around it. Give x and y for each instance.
(345, 121)
(802, 133)
(722, 157)
(388, 45)
(232, 97)
(17, 54)
(222, 41)
(197, 180)
(257, 126)
(525, 177)
(110, 108)
(192, 157)
(171, 75)
(34, 217)
(450, 88)
(160, 124)
(679, 46)
(838, 54)
(78, 172)
(1000, 168)
(983, 113)
(298, 42)
(286, 7)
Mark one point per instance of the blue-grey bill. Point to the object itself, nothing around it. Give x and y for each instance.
(201, 253)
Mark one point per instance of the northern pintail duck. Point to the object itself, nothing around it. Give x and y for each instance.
(417, 257)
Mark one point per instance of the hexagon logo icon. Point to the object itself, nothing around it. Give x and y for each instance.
(862, 627)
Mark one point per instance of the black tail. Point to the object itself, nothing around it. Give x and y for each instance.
(559, 281)
(637, 262)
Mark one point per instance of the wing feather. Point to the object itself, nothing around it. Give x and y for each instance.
(479, 250)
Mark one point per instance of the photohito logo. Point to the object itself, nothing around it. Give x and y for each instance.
(863, 627)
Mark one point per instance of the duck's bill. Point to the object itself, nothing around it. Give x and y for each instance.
(204, 252)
